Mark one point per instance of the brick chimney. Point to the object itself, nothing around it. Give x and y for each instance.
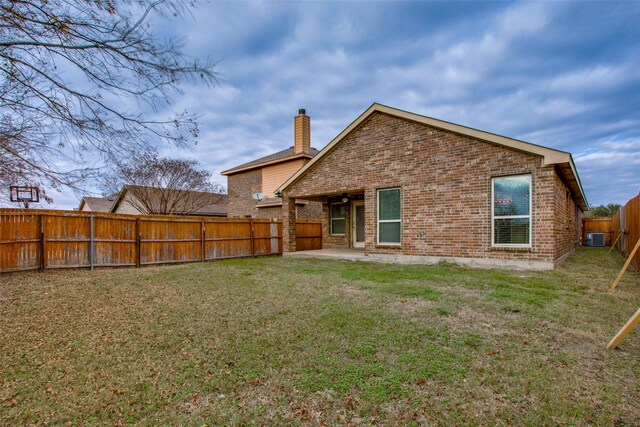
(302, 133)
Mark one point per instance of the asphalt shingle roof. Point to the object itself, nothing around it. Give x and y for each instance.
(100, 204)
(289, 152)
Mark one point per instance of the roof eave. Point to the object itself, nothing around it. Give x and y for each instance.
(117, 200)
(572, 180)
(268, 163)
(550, 156)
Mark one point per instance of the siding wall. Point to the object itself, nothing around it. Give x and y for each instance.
(446, 189)
(274, 176)
(241, 186)
(125, 206)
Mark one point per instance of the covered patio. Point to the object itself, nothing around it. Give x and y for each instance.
(343, 223)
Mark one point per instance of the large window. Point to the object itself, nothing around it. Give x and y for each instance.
(338, 218)
(511, 211)
(389, 216)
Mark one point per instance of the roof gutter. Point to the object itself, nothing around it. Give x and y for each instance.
(268, 163)
(575, 173)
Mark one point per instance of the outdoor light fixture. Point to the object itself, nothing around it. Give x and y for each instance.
(345, 197)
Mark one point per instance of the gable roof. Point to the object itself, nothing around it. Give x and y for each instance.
(279, 157)
(550, 156)
(216, 203)
(98, 204)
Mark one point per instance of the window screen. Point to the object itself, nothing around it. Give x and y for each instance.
(511, 214)
(338, 216)
(389, 229)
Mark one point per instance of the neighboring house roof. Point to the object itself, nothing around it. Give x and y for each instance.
(561, 159)
(216, 203)
(98, 204)
(279, 157)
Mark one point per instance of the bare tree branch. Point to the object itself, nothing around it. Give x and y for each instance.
(163, 186)
(76, 77)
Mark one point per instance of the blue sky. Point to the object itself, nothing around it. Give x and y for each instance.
(561, 74)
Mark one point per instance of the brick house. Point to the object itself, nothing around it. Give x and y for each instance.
(409, 188)
(264, 175)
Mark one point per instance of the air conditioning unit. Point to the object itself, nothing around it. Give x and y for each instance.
(596, 239)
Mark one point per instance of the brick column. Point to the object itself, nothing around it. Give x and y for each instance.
(288, 224)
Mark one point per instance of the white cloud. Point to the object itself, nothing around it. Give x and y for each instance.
(524, 19)
(516, 69)
(599, 77)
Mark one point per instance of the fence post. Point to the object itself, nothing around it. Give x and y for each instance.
(252, 242)
(43, 248)
(202, 243)
(137, 231)
(91, 242)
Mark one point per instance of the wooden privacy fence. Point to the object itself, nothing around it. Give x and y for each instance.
(37, 239)
(308, 235)
(598, 225)
(626, 224)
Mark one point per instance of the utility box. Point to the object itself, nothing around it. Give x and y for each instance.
(596, 239)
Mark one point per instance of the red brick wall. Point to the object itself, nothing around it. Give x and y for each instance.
(312, 210)
(242, 186)
(568, 220)
(446, 188)
(335, 241)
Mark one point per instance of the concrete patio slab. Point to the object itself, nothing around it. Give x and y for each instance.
(344, 254)
(359, 255)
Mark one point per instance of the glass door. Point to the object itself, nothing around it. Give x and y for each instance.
(357, 233)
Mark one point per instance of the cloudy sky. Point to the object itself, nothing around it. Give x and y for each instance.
(561, 74)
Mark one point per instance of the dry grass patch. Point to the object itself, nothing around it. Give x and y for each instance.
(284, 341)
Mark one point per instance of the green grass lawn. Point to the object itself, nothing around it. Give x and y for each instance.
(275, 341)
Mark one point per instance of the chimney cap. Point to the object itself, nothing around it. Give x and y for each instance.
(302, 111)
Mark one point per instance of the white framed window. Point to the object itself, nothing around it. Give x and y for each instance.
(389, 216)
(511, 211)
(338, 212)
